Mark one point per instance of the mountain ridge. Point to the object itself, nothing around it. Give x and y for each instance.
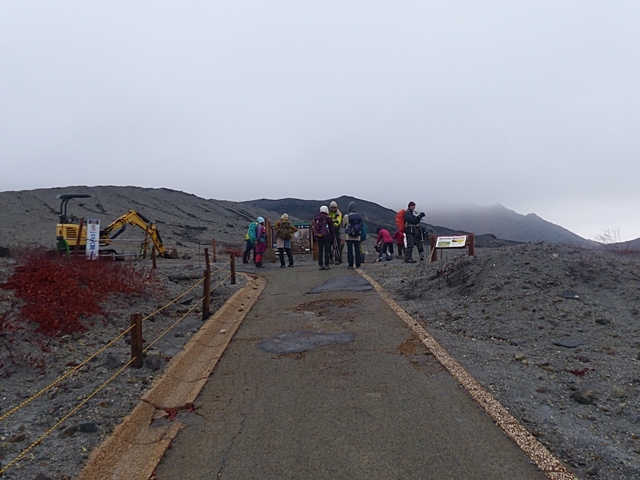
(29, 216)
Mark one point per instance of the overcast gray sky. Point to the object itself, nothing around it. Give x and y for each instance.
(531, 104)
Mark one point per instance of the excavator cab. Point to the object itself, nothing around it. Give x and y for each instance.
(65, 229)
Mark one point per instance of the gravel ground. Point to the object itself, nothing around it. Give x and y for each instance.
(551, 332)
(25, 369)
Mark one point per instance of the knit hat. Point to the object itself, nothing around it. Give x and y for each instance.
(352, 207)
(324, 209)
(333, 204)
(284, 217)
(411, 204)
(260, 220)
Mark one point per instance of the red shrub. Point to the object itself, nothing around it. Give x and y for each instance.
(56, 292)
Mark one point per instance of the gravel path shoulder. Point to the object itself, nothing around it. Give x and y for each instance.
(551, 332)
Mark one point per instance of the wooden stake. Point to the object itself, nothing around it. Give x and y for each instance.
(136, 340)
(153, 257)
(471, 238)
(232, 266)
(433, 255)
(215, 251)
(206, 258)
(206, 294)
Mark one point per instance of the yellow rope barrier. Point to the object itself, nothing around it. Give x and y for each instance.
(59, 379)
(109, 380)
(80, 405)
(82, 364)
(172, 301)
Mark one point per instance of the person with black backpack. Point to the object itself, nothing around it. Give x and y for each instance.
(353, 230)
(411, 229)
(284, 233)
(323, 232)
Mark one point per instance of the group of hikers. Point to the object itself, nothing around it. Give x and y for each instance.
(326, 229)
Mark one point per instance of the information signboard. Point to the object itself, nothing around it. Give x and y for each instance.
(451, 242)
(93, 239)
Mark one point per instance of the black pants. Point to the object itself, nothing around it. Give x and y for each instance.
(324, 250)
(247, 252)
(281, 252)
(353, 245)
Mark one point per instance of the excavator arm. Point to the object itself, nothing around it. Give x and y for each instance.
(132, 217)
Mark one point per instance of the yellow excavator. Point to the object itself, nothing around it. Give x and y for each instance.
(68, 231)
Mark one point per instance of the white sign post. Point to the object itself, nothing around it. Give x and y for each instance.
(93, 239)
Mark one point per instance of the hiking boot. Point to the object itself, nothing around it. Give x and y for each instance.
(321, 267)
(327, 267)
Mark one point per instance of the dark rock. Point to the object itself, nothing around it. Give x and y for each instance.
(18, 438)
(4, 252)
(69, 431)
(585, 398)
(111, 362)
(90, 427)
(42, 476)
(153, 363)
(603, 321)
(186, 256)
(634, 311)
(76, 336)
(569, 342)
(570, 295)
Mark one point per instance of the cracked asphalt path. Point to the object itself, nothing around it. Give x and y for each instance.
(379, 406)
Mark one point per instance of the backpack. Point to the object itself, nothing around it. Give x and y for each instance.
(354, 228)
(321, 225)
(284, 232)
(400, 220)
(251, 233)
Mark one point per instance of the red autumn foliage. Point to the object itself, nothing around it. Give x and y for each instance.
(57, 291)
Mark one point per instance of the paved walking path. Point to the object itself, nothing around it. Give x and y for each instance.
(334, 385)
(325, 378)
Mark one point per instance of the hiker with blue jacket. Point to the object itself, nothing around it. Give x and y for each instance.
(352, 222)
(411, 227)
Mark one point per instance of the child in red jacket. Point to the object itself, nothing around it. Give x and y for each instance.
(384, 244)
(399, 239)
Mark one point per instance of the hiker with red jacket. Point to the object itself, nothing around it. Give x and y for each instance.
(323, 236)
(384, 244)
(411, 226)
(398, 237)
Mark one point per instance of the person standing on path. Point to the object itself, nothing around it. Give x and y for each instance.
(352, 223)
(284, 233)
(323, 232)
(249, 243)
(261, 242)
(336, 218)
(411, 226)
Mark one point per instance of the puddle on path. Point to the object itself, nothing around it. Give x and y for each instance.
(349, 283)
(302, 341)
